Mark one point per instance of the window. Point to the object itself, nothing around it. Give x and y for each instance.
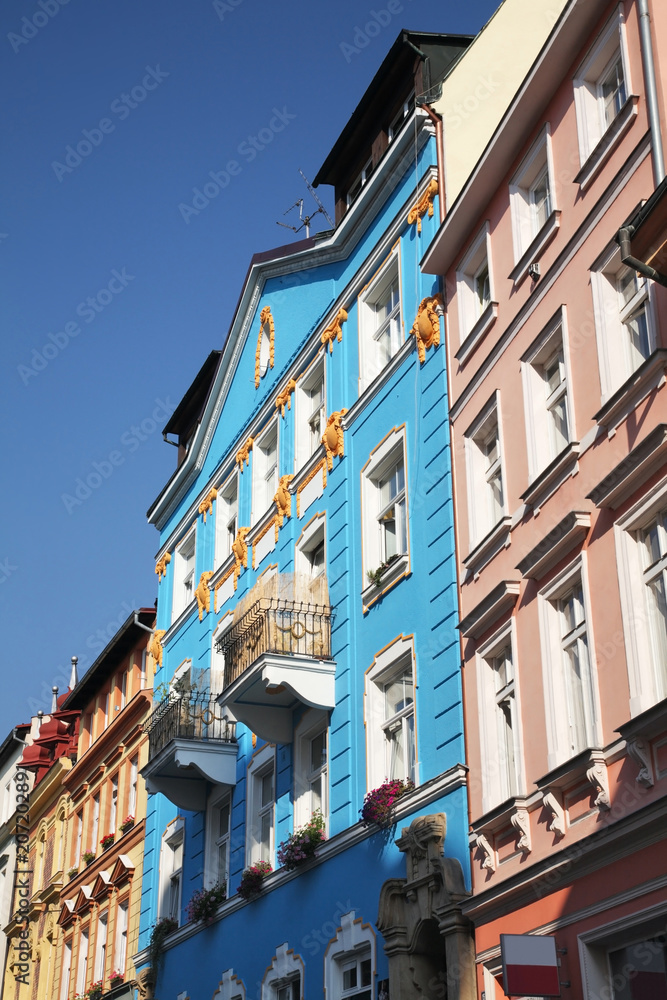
(261, 807)
(41, 852)
(349, 960)
(355, 187)
(226, 519)
(626, 959)
(601, 85)
(381, 328)
(60, 834)
(384, 509)
(184, 575)
(499, 730)
(289, 991)
(623, 320)
(132, 798)
(113, 811)
(568, 671)
(120, 954)
(357, 979)
(653, 545)
(101, 947)
(284, 978)
(8, 801)
(123, 689)
(639, 970)
(310, 413)
(532, 194)
(79, 834)
(142, 681)
(390, 715)
(217, 844)
(486, 495)
(311, 791)
(310, 558)
(545, 382)
(474, 285)
(66, 971)
(406, 108)
(95, 825)
(171, 872)
(82, 963)
(264, 471)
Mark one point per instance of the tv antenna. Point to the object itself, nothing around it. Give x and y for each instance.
(305, 220)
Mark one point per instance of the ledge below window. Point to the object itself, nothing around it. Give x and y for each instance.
(608, 142)
(650, 375)
(393, 573)
(548, 481)
(498, 538)
(539, 244)
(483, 615)
(638, 465)
(479, 330)
(568, 533)
(639, 734)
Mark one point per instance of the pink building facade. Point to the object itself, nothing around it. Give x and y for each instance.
(557, 355)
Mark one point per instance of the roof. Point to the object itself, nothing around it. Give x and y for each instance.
(192, 404)
(124, 640)
(11, 743)
(648, 229)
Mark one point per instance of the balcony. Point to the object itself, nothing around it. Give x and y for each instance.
(191, 746)
(277, 656)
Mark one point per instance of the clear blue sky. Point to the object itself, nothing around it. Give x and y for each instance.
(167, 92)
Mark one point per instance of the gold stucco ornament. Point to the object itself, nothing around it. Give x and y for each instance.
(285, 397)
(203, 594)
(155, 646)
(266, 325)
(334, 331)
(283, 500)
(161, 566)
(243, 454)
(332, 439)
(240, 550)
(426, 327)
(425, 203)
(206, 506)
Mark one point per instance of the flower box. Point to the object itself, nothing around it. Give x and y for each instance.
(204, 904)
(252, 879)
(107, 840)
(301, 845)
(88, 857)
(379, 803)
(127, 824)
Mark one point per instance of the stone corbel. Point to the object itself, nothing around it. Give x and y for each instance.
(155, 646)
(425, 203)
(551, 803)
(520, 820)
(334, 331)
(332, 439)
(243, 454)
(284, 398)
(640, 752)
(484, 846)
(426, 327)
(283, 501)
(596, 774)
(203, 594)
(240, 550)
(161, 566)
(206, 506)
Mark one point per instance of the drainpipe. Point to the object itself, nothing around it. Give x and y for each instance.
(623, 240)
(651, 92)
(136, 614)
(439, 149)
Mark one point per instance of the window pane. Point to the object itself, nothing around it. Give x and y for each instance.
(639, 971)
(350, 978)
(612, 89)
(637, 331)
(559, 431)
(575, 687)
(267, 788)
(365, 972)
(540, 200)
(223, 820)
(398, 693)
(318, 752)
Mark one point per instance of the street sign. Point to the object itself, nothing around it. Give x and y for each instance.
(530, 965)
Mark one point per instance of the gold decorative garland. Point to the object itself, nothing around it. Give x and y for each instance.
(161, 566)
(240, 550)
(332, 439)
(283, 500)
(335, 330)
(426, 327)
(285, 397)
(418, 211)
(203, 594)
(320, 467)
(243, 454)
(206, 506)
(264, 318)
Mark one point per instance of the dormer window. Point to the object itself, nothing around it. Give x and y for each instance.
(397, 121)
(355, 188)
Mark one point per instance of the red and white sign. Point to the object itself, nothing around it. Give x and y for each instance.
(530, 965)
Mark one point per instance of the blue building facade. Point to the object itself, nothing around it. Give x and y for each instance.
(307, 605)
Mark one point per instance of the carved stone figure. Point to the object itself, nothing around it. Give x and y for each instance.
(332, 439)
(203, 594)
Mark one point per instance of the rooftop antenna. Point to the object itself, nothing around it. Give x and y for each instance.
(306, 220)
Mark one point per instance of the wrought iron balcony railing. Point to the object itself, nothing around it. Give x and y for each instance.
(272, 625)
(194, 715)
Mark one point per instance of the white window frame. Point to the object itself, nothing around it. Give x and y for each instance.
(309, 415)
(354, 941)
(359, 182)
(79, 838)
(540, 401)
(284, 970)
(482, 473)
(134, 778)
(370, 360)
(142, 676)
(614, 353)
(471, 307)
(386, 456)
(217, 677)
(230, 988)
(66, 970)
(387, 665)
(500, 781)
(610, 44)
(215, 841)
(646, 685)
(596, 944)
(310, 726)
(526, 221)
(554, 673)
(95, 824)
(226, 518)
(101, 933)
(264, 476)
(120, 951)
(113, 806)
(82, 960)
(173, 839)
(184, 573)
(396, 124)
(311, 542)
(262, 763)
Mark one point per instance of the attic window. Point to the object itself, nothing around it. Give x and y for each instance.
(397, 121)
(356, 186)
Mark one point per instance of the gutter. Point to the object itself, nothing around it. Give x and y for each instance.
(623, 238)
(648, 66)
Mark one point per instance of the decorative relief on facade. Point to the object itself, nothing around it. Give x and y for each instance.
(640, 753)
(334, 331)
(155, 646)
(206, 506)
(283, 501)
(266, 326)
(240, 550)
(520, 820)
(426, 327)
(597, 775)
(243, 454)
(203, 594)
(320, 467)
(161, 566)
(284, 398)
(551, 803)
(484, 846)
(332, 439)
(221, 581)
(424, 205)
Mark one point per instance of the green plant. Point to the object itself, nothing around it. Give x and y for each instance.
(301, 845)
(127, 824)
(72, 873)
(156, 944)
(205, 902)
(379, 803)
(88, 856)
(252, 879)
(107, 840)
(375, 575)
(115, 978)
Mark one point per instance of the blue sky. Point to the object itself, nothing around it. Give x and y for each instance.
(112, 294)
